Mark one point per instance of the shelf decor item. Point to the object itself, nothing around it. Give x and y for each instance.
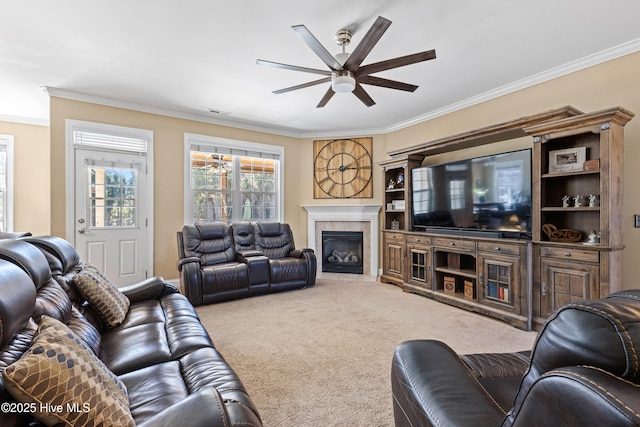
(592, 165)
(449, 284)
(469, 290)
(562, 235)
(395, 224)
(567, 160)
(397, 204)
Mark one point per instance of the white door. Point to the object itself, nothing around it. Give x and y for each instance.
(111, 223)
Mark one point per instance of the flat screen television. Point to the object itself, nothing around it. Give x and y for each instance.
(487, 196)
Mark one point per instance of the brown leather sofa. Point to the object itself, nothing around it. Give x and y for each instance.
(161, 352)
(584, 370)
(220, 262)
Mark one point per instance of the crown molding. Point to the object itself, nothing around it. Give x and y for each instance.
(553, 73)
(117, 103)
(24, 120)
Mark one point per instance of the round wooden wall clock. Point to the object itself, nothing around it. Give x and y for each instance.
(342, 168)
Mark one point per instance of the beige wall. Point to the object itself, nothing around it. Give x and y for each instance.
(609, 84)
(168, 141)
(31, 177)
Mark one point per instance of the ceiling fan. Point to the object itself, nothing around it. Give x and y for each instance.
(345, 72)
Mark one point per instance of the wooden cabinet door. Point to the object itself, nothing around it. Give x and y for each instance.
(395, 259)
(564, 282)
(419, 266)
(500, 281)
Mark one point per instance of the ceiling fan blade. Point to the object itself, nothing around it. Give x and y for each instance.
(293, 67)
(390, 84)
(327, 96)
(396, 62)
(363, 95)
(302, 86)
(368, 42)
(317, 48)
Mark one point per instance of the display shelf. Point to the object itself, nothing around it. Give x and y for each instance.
(562, 209)
(565, 272)
(568, 174)
(471, 274)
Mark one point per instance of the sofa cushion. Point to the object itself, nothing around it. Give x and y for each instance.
(288, 270)
(155, 388)
(61, 372)
(105, 299)
(211, 243)
(273, 239)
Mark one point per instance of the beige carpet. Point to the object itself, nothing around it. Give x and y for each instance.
(322, 356)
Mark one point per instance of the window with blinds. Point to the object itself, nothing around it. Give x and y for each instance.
(233, 181)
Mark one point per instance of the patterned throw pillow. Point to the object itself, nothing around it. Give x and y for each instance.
(65, 383)
(105, 299)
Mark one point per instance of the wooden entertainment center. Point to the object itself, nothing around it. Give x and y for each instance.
(576, 198)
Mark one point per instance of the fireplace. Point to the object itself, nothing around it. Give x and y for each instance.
(363, 218)
(342, 252)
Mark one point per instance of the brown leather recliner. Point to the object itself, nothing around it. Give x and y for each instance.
(584, 370)
(220, 262)
(209, 266)
(161, 352)
(289, 268)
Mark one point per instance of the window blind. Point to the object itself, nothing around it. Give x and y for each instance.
(109, 141)
(234, 151)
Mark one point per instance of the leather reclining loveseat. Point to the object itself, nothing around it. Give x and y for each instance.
(220, 262)
(160, 353)
(584, 370)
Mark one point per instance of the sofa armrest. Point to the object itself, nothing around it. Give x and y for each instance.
(202, 409)
(183, 261)
(578, 395)
(432, 387)
(299, 253)
(498, 365)
(242, 255)
(151, 288)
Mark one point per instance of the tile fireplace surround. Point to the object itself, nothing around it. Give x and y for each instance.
(346, 218)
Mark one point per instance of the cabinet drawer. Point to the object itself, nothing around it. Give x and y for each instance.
(419, 239)
(453, 243)
(499, 248)
(394, 236)
(570, 253)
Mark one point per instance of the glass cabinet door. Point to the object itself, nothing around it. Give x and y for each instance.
(499, 280)
(420, 266)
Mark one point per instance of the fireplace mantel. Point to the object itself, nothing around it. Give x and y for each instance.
(333, 213)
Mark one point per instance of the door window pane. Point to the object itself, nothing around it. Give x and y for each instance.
(112, 197)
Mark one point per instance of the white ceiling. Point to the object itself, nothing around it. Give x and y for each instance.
(183, 58)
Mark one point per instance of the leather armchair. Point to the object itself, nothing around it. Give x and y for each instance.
(289, 268)
(584, 370)
(209, 268)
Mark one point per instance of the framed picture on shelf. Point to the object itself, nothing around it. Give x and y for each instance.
(397, 205)
(567, 160)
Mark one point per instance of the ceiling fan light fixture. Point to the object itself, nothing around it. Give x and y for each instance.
(343, 81)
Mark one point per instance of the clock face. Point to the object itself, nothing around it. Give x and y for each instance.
(343, 168)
